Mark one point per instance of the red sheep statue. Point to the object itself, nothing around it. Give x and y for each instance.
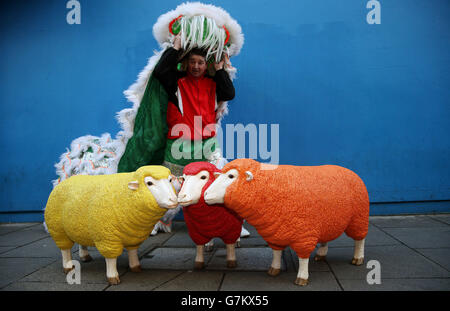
(203, 221)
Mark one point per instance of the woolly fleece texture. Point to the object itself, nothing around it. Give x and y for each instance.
(102, 211)
(205, 222)
(299, 206)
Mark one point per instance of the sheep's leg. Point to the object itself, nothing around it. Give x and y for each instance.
(302, 275)
(199, 260)
(67, 260)
(238, 243)
(111, 271)
(321, 252)
(84, 254)
(133, 260)
(358, 256)
(231, 256)
(209, 246)
(275, 267)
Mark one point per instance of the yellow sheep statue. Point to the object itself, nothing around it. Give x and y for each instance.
(110, 212)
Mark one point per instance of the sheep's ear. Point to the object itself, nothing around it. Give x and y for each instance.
(249, 175)
(133, 185)
(217, 174)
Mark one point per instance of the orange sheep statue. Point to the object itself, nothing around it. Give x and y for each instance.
(295, 206)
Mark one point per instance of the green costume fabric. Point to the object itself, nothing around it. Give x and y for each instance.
(182, 152)
(147, 145)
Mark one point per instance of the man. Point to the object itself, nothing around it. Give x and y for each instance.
(191, 112)
(192, 94)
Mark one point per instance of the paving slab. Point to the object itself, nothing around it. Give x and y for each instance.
(4, 249)
(47, 248)
(374, 237)
(42, 248)
(194, 281)
(8, 228)
(171, 258)
(413, 252)
(252, 241)
(261, 281)
(24, 236)
(180, 239)
(444, 218)
(14, 269)
(413, 221)
(436, 237)
(422, 284)
(154, 241)
(147, 280)
(93, 272)
(248, 259)
(313, 265)
(396, 262)
(51, 286)
(440, 256)
(23, 240)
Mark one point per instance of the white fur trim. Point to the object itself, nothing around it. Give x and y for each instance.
(219, 15)
(180, 101)
(108, 152)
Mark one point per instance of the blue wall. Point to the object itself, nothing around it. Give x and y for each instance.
(373, 98)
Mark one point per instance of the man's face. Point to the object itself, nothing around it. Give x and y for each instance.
(197, 65)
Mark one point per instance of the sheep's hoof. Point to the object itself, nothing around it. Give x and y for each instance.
(357, 261)
(231, 263)
(273, 271)
(320, 258)
(86, 258)
(136, 268)
(114, 280)
(301, 282)
(199, 265)
(67, 270)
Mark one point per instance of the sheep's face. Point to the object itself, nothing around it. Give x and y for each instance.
(161, 189)
(191, 190)
(215, 194)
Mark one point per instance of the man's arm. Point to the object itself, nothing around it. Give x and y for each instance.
(166, 70)
(224, 86)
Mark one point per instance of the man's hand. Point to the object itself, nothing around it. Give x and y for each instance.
(177, 42)
(224, 62)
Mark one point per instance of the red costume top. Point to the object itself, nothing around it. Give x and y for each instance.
(191, 97)
(196, 97)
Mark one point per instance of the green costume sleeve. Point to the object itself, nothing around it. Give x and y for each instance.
(146, 146)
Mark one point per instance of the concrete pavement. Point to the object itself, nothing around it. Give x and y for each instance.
(413, 253)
